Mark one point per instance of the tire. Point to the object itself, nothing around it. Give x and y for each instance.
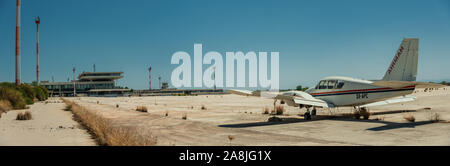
(307, 116)
(357, 115)
(313, 112)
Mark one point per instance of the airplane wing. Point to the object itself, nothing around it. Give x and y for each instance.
(400, 84)
(392, 100)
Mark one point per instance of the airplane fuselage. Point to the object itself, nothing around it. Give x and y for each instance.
(345, 91)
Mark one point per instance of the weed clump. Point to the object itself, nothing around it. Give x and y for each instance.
(434, 117)
(265, 110)
(68, 108)
(141, 109)
(230, 138)
(24, 116)
(409, 118)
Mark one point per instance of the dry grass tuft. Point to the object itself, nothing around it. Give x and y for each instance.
(265, 110)
(117, 105)
(68, 108)
(141, 109)
(107, 133)
(28, 115)
(279, 110)
(409, 118)
(24, 116)
(184, 117)
(19, 116)
(230, 138)
(434, 117)
(167, 113)
(203, 107)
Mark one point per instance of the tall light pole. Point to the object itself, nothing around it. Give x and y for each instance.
(17, 42)
(74, 85)
(38, 21)
(159, 82)
(150, 77)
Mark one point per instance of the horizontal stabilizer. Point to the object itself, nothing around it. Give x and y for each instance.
(400, 84)
(240, 92)
(392, 100)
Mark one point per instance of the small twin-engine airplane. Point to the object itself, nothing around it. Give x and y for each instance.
(397, 83)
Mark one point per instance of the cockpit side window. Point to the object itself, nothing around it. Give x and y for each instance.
(339, 85)
(331, 84)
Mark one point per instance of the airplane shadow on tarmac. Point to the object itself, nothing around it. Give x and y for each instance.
(347, 117)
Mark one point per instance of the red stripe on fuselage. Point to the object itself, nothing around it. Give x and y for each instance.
(360, 90)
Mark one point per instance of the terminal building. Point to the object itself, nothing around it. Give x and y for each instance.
(88, 84)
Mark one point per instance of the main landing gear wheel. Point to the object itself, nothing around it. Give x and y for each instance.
(313, 112)
(361, 112)
(307, 115)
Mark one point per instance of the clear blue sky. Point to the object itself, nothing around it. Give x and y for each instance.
(315, 38)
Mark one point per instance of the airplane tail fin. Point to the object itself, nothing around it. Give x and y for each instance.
(404, 65)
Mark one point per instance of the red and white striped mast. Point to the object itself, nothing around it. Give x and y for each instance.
(17, 42)
(38, 21)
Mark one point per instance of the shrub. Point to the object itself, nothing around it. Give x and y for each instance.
(14, 97)
(20, 96)
(40, 93)
(27, 92)
(141, 109)
(5, 105)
